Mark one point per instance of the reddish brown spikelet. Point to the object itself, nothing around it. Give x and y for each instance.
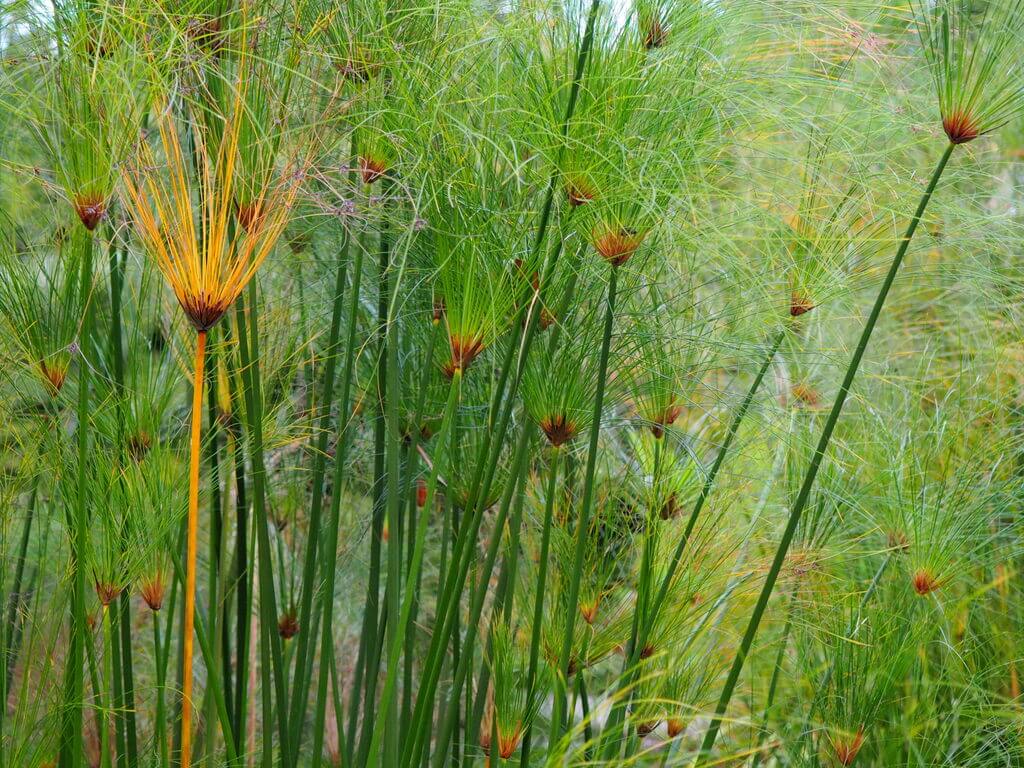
(139, 445)
(54, 375)
(463, 352)
(546, 319)
(507, 742)
(846, 749)
(421, 493)
(288, 626)
(799, 305)
(579, 193)
(558, 429)
(589, 611)
(152, 591)
(670, 509)
(806, 396)
(647, 651)
(655, 35)
(898, 541)
(675, 726)
(645, 728)
(371, 168)
(960, 127)
(666, 418)
(250, 216)
(617, 244)
(202, 312)
(924, 582)
(106, 592)
(90, 211)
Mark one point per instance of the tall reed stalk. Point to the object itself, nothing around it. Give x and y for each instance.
(819, 454)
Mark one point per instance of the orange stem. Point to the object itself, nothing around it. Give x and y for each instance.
(190, 565)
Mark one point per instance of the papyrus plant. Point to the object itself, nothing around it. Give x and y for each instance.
(206, 260)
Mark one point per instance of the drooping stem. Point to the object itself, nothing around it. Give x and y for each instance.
(812, 470)
(192, 542)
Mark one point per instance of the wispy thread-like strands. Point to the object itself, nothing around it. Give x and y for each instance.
(205, 259)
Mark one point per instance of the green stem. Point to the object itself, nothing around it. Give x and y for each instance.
(625, 686)
(248, 345)
(397, 634)
(538, 600)
(583, 521)
(306, 640)
(812, 471)
(160, 718)
(328, 570)
(72, 748)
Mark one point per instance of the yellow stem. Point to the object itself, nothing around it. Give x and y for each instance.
(190, 565)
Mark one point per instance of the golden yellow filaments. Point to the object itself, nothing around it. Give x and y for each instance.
(207, 262)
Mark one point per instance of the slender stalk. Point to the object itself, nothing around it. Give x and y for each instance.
(583, 521)
(248, 345)
(328, 570)
(160, 718)
(637, 644)
(72, 748)
(306, 639)
(538, 600)
(397, 634)
(14, 599)
(488, 454)
(192, 543)
(465, 661)
(812, 471)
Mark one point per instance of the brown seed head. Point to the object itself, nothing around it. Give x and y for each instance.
(463, 352)
(960, 127)
(924, 582)
(675, 726)
(646, 728)
(54, 375)
(579, 192)
(507, 742)
(106, 592)
(139, 445)
(589, 611)
(91, 211)
(288, 626)
(616, 244)
(152, 590)
(655, 35)
(371, 168)
(250, 216)
(558, 429)
(846, 748)
(665, 418)
(799, 305)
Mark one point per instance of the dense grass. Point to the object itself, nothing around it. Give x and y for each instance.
(428, 384)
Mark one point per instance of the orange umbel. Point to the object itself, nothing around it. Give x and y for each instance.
(208, 262)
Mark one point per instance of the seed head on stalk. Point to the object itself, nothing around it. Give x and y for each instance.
(510, 708)
(672, 355)
(94, 101)
(41, 308)
(205, 259)
(204, 262)
(869, 648)
(559, 383)
(975, 57)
